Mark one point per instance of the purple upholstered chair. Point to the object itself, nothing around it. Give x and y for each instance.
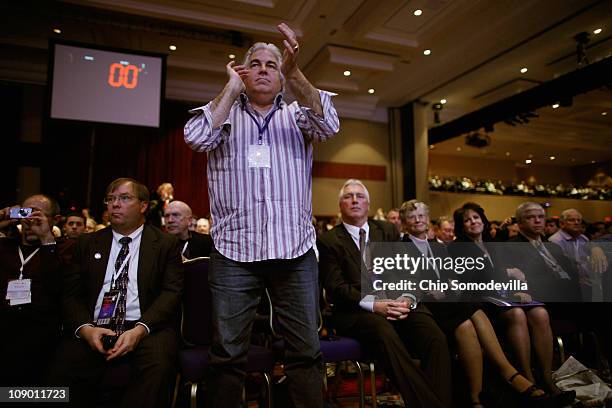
(196, 332)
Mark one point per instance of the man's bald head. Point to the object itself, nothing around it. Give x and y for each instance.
(50, 209)
(178, 216)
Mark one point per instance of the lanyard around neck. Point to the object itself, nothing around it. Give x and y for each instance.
(25, 261)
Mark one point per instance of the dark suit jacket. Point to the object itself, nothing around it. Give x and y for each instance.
(160, 278)
(340, 262)
(544, 285)
(340, 267)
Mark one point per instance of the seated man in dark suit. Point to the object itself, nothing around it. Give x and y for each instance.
(121, 302)
(30, 287)
(550, 276)
(178, 215)
(387, 328)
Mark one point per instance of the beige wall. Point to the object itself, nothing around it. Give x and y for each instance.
(500, 207)
(506, 170)
(359, 142)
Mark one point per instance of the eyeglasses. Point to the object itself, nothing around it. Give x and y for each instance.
(123, 199)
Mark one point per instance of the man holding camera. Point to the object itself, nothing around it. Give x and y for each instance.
(121, 302)
(30, 265)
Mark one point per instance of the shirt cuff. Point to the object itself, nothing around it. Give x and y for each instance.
(76, 332)
(413, 298)
(367, 303)
(145, 326)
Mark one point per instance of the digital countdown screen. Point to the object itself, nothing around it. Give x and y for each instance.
(96, 85)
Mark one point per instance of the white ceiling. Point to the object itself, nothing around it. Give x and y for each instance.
(477, 49)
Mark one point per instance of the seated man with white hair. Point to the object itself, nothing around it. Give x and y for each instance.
(177, 216)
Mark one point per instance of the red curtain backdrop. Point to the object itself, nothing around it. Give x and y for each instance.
(152, 156)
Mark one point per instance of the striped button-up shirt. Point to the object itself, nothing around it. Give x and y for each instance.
(262, 213)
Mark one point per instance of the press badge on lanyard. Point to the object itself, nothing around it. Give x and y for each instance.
(259, 154)
(111, 299)
(19, 291)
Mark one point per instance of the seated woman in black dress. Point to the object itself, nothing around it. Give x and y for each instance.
(465, 323)
(526, 327)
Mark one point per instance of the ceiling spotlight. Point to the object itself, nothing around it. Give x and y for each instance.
(442, 101)
(555, 105)
(172, 47)
(604, 113)
(57, 31)
(232, 56)
(371, 91)
(528, 161)
(347, 73)
(523, 70)
(427, 52)
(418, 12)
(458, 149)
(507, 153)
(431, 147)
(552, 157)
(592, 161)
(596, 31)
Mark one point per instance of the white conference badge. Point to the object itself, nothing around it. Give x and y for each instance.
(259, 156)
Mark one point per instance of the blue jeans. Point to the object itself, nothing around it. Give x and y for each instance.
(236, 289)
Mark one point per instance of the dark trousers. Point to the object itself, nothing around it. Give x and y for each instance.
(395, 344)
(236, 289)
(152, 371)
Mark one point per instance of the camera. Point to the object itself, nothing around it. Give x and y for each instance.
(108, 342)
(17, 212)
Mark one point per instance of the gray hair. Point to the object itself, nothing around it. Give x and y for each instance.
(353, 182)
(526, 206)
(273, 49)
(410, 206)
(565, 214)
(444, 218)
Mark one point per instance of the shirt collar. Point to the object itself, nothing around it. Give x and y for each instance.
(568, 237)
(278, 99)
(133, 235)
(354, 231)
(417, 240)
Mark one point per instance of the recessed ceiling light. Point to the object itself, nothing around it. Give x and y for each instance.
(555, 105)
(172, 47)
(523, 70)
(592, 161)
(431, 146)
(427, 52)
(528, 161)
(442, 101)
(552, 157)
(418, 12)
(459, 149)
(347, 73)
(604, 113)
(371, 90)
(232, 56)
(507, 153)
(597, 31)
(57, 31)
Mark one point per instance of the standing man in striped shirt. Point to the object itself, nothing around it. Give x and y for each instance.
(260, 185)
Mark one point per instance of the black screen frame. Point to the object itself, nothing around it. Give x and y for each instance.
(49, 84)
